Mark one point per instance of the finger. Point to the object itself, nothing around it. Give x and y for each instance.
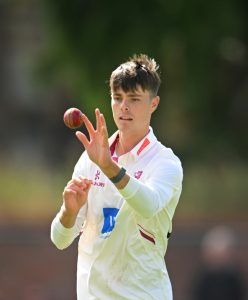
(68, 192)
(98, 120)
(71, 193)
(104, 125)
(86, 190)
(77, 182)
(83, 139)
(81, 178)
(80, 181)
(90, 181)
(85, 180)
(104, 131)
(88, 125)
(69, 182)
(76, 189)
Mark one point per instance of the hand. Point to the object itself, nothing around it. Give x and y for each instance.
(97, 146)
(75, 196)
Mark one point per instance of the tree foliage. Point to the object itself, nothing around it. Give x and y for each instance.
(200, 46)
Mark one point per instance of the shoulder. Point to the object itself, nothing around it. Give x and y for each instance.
(165, 153)
(162, 151)
(163, 158)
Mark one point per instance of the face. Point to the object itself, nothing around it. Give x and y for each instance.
(132, 110)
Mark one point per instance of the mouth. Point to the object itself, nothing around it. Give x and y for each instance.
(125, 118)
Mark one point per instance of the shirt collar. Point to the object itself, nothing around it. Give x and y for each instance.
(113, 141)
(140, 148)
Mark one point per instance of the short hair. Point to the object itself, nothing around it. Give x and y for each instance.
(138, 70)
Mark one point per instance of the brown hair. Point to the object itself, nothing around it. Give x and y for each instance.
(138, 70)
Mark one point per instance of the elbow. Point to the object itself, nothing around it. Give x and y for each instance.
(61, 247)
(150, 208)
(58, 244)
(147, 212)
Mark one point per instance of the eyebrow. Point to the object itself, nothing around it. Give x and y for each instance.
(128, 94)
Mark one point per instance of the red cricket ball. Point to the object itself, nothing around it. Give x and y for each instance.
(73, 118)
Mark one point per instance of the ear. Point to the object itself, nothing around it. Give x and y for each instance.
(154, 103)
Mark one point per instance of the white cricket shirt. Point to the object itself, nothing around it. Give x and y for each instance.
(124, 232)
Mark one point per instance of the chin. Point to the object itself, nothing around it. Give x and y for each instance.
(125, 127)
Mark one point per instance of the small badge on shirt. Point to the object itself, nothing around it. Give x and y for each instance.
(109, 215)
(138, 174)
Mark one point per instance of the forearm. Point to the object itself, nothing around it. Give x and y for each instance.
(62, 236)
(66, 219)
(144, 199)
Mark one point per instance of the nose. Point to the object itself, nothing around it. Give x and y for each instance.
(124, 106)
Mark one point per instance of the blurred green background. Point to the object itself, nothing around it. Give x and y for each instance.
(59, 54)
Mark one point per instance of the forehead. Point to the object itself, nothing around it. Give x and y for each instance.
(137, 91)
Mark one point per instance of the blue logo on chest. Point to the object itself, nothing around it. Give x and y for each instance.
(109, 215)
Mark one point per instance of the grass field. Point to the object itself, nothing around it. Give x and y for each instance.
(34, 192)
(30, 193)
(215, 190)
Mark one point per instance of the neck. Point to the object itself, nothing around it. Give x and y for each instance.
(127, 142)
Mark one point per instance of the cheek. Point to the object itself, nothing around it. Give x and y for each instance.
(114, 108)
(145, 112)
(114, 104)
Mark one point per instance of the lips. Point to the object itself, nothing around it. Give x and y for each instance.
(125, 118)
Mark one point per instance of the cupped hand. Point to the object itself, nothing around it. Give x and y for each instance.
(75, 195)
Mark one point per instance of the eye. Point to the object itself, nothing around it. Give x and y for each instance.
(135, 99)
(117, 98)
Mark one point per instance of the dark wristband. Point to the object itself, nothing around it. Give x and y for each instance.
(119, 176)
